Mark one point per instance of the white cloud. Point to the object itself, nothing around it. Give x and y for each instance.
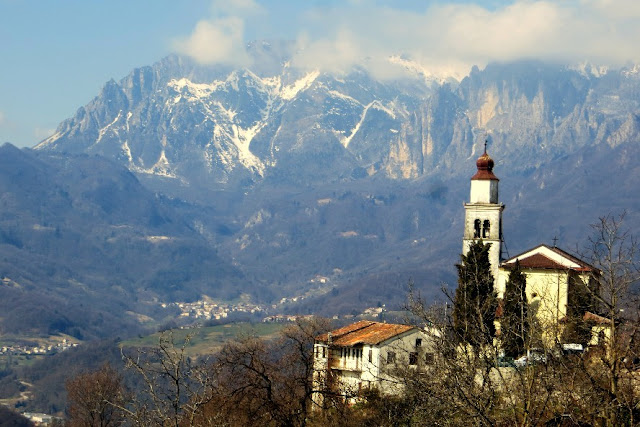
(221, 38)
(450, 38)
(446, 39)
(218, 41)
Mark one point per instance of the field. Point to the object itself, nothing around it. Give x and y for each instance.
(207, 340)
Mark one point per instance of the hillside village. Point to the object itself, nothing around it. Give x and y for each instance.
(52, 347)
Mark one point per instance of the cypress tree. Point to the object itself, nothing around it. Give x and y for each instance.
(475, 301)
(581, 300)
(514, 324)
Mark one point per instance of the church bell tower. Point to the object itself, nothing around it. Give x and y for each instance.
(483, 213)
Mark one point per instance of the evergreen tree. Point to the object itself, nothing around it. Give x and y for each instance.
(514, 324)
(475, 301)
(580, 300)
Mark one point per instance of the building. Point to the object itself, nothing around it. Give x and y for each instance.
(555, 281)
(483, 213)
(554, 277)
(366, 355)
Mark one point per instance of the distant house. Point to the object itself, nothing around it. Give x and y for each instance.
(365, 355)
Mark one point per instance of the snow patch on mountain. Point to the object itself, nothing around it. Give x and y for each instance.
(632, 70)
(258, 218)
(290, 92)
(104, 130)
(345, 140)
(341, 95)
(433, 74)
(49, 141)
(378, 106)
(193, 91)
(162, 167)
(129, 115)
(240, 139)
(589, 70)
(127, 152)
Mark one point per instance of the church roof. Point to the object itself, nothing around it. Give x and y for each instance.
(364, 332)
(548, 258)
(485, 167)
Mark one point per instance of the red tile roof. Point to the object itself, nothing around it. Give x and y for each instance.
(595, 318)
(484, 174)
(538, 260)
(364, 332)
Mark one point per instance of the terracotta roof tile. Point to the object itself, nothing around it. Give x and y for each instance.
(364, 332)
(484, 174)
(595, 318)
(540, 261)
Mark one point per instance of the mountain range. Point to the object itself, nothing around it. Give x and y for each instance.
(183, 180)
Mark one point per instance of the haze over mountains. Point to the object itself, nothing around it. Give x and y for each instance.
(221, 182)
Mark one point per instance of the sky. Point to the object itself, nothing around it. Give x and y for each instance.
(55, 56)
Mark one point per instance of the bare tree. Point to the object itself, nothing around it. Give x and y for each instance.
(470, 385)
(268, 382)
(613, 251)
(174, 388)
(95, 398)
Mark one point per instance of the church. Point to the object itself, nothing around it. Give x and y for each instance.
(554, 277)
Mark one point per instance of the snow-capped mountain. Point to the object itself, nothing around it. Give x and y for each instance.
(163, 121)
(222, 127)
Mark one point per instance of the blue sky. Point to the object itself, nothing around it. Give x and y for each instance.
(56, 55)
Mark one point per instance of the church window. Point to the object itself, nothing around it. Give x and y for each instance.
(418, 342)
(476, 228)
(485, 229)
(370, 355)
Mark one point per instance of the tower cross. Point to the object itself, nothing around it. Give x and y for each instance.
(555, 240)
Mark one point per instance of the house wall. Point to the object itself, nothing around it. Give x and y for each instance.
(351, 372)
(390, 374)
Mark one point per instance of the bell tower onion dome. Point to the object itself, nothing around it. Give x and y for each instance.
(485, 167)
